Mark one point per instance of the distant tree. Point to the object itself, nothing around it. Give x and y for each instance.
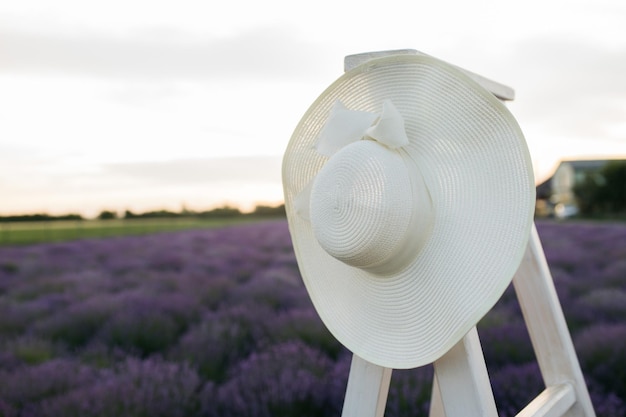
(186, 212)
(221, 212)
(615, 195)
(69, 217)
(603, 193)
(586, 193)
(269, 211)
(159, 214)
(39, 217)
(107, 215)
(129, 214)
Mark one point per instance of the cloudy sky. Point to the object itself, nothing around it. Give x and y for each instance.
(141, 105)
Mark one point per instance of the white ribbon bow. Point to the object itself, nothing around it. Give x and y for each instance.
(346, 126)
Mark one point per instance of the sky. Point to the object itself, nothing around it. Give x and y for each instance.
(147, 105)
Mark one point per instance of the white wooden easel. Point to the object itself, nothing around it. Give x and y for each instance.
(461, 386)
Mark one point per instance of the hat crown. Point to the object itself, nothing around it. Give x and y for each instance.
(364, 206)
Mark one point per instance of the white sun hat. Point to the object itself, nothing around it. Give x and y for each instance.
(410, 197)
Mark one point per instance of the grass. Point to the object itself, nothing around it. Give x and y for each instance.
(25, 233)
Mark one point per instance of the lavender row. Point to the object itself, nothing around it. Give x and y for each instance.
(218, 323)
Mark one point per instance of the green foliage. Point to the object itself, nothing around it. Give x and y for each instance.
(20, 233)
(222, 212)
(603, 193)
(76, 326)
(107, 215)
(269, 211)
(140, 332)
(129, 215)
(31, 350)
(157, 214)
(38, 228)
(39, 217)
(9, 267)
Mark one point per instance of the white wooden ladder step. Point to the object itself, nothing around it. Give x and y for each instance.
(554, 401)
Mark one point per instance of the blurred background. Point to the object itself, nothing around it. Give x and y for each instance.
(159, 105)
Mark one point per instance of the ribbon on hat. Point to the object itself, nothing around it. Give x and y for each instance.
(345, 126)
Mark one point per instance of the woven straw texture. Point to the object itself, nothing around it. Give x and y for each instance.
(472, 156)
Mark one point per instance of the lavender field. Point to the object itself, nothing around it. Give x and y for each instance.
(216, 322)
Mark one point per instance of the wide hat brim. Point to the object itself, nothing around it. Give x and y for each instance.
(475, 162)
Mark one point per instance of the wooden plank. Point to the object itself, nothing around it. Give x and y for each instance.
(368, 387)
(547, 327)
(436, 403)
(554, 401)
(501, 91)
(463, 380)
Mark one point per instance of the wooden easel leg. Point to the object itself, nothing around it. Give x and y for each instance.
(436, 403)
(547, 327)
(463, 381)
(368, 386)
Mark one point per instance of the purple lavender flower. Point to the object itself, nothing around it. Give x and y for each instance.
(79, 323)
(28, 385)
(31, 350)
(606, 405)
(514, 386)
(601, 351)
(133, 388)
(223, 338)
(410, 392)
(224, 304)
(288, 379)
(506, 344)
(607, 304)
(139, 331)
(303, 325)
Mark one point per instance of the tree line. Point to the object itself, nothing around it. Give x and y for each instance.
(220, 212)
(603, 193)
